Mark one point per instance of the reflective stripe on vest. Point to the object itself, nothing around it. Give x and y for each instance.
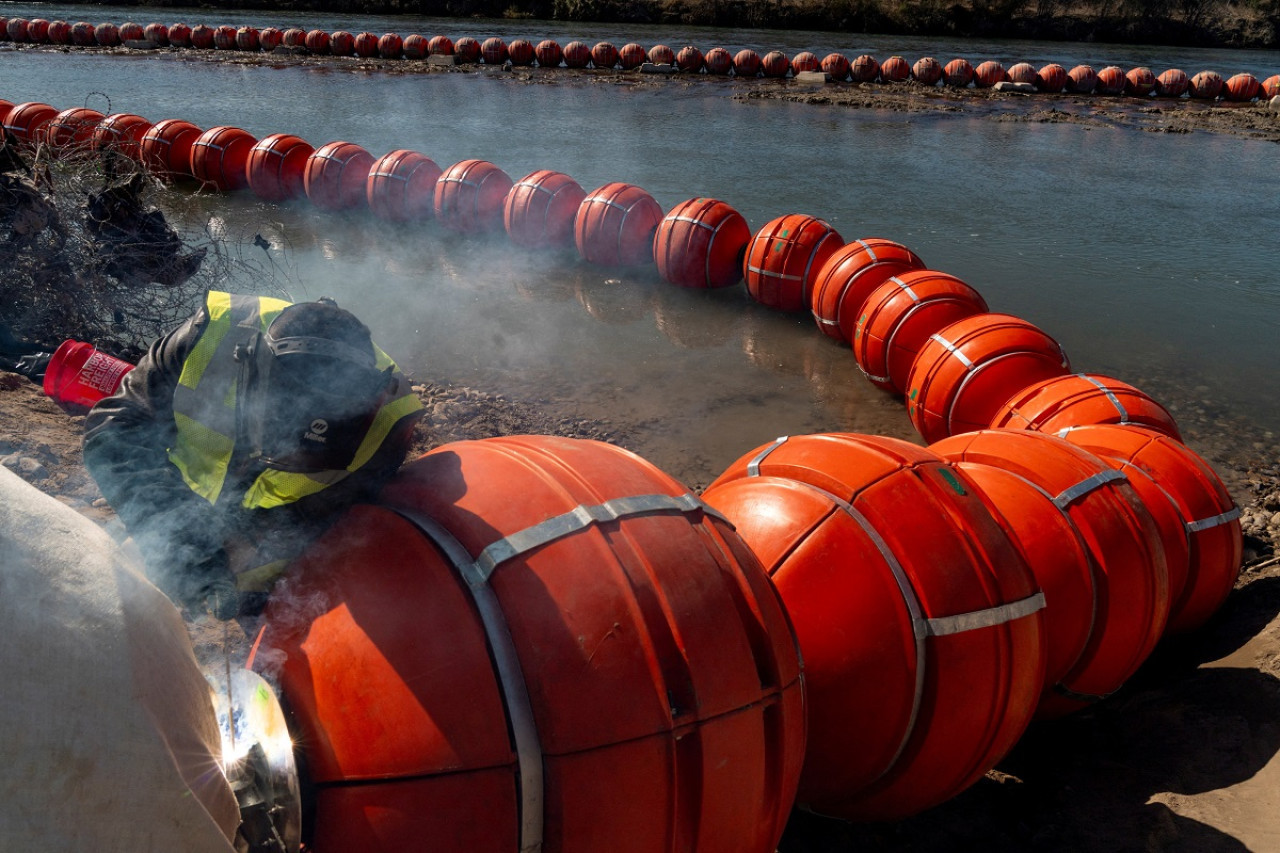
(204, 408)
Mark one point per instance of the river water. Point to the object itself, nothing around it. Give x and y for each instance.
(1151, 257)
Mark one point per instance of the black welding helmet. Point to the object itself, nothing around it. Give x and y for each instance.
(310, 388)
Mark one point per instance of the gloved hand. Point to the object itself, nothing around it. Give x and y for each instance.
(209, 587)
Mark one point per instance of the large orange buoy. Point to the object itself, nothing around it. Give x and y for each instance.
(718, 61)
(804, 61)
(746, 63)
(576, 55)
(1241, 87)
(926, 71)
(1111, 81)
(1022, 72)
(1061, 403)
(1172, 83)
(27, 122)
(615, 225)
(415, 46)
(120, 133)
(16, 29)
(336, 176)
(1082, 80)
(269, 38)
(180, 35)
(836, 66)
(1132, 586)
(107, 34)
(224, 37)
(900, 315)
(701, 243)
(59, 32)
(521, 52)
(202, 37)
(5, 107)
(773, 64)
(166, 148)
(470, 195)
(1210, 517)
(493, 50)
(988, 73)
(604, 54)
(390, 46)
(317, 41)
(1052, 78)
(895, 70)
(1057, 555)
(540, 209)
(848, 276)
(82, 34)
(1139, 82)
(965, 372)
(1206, 85)
(920, 624)
(70, 133)
(219, 156)
(632, 55)
(156, 34)
(401, 186)
(441, 46)
(1271, 86)
(601, 660)
(784, 259)
(38, 31)
(294, 37)
(342, 43)
(549, 54)
(660, 54)
(864, 69)
(689, 59)
(276, 166)
(247, 38)
(958, 73)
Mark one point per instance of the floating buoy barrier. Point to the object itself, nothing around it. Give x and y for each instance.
(660, 54)
(902, 586)
(987, 74)
(5, 108)
(1111, 81)
(690, 59)
(1052, 78)
(1172, 83)
(59, 32)
(1206, 85)
(202, 38)
(469, 196)
(1139, 82)
(900, 315)
(849, 275)
(1062, 403)
(1271, 86)
(247, 38)
(1131, 586)
(805, 61)
(549, 54)
(16, 29)
(774, 64)
(83, 35)
(318, 41)
(219, 157)
(540, 208)
(337, 175)
(27, 121)
(269, 39)
(717, 61)
(927, 71)
(166, 148)
(70, 132)
(747, 63)
(180, 35)
(784, 259)
(277, 166)
(1242, 87)
(494, 51)
(604, 55)
(632, 55)
(224, 37)
(343, 43)
(415, 47)
(615, 225)
(577, 55)
(895, 69)
(157, 35)
(701, 243)
(965, 372)
(365, 45)
(1082, 80)
(836, 66)
(1022, 72)
(958, 73)
(129, 31)
(602, 659)
(401, 186)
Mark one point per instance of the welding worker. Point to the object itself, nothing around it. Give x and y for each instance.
(240, 437)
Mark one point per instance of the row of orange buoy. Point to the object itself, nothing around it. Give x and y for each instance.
(957, 73)
(1025, 564)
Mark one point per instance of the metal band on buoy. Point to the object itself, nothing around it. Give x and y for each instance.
(1087, 485)
(1213, 521)
(1115, 401)
(753, 467)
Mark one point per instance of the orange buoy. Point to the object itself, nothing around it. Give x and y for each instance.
(1062, 403)
(805, 61)
(247, 38)
(277, 165)
(224, 37)
(1132, 585)
(1241, 87)
(219, 157)
(784, 259)
(1056, 554)
(295, 37)
(900, 315)
(1022, 72)
(615, 225)
(336, 175)
(602, 659)
(689, 59)
(1052, 78)
(604, 54)
(894, 70)
(965, 372)
(202, 37)
(549, 54)
(660, 54)
(958, 73)
(120, 133)
(847, 277)
(836, 66)
(156, 34)
(440, 46)
(38, 31)
(180, 35)
(493, 50)
(70, 132)
(27, 122)
(166, 148)
(401, 186)
(1172, 83)
(467, 49)
(746, 63)
(988, 73)
(129, 31)
(343, 43)
(701, 243)
(1210, 518)
(926, 71)
(59, 32)
(540, 209)
(390, 46)
(1139, 82)
(5, 107)
(107, 35)
(1271, 86)
(415, 46)
(318, 41)
(576, 55)
(269, 38)
(470, 194)
(1111, 81)
(865, 69)
(83, 35)
(718, 61)
(1082, 80)
(901, 587)
(775, 64)
(632, 55)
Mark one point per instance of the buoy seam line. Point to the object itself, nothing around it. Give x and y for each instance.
(970, 375)
(1115, 401)
(1087, 485)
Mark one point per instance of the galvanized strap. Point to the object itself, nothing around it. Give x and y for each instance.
(992, 616)
(953, 349)
(515, 690)
(872, 377)
(1115, 401)
(866, 247)
(692, 221)
(773, 274)
(906, 288)
(1221, 518)
(1087, 485)
(753, 467)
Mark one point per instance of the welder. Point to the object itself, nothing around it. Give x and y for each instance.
(241, 436)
